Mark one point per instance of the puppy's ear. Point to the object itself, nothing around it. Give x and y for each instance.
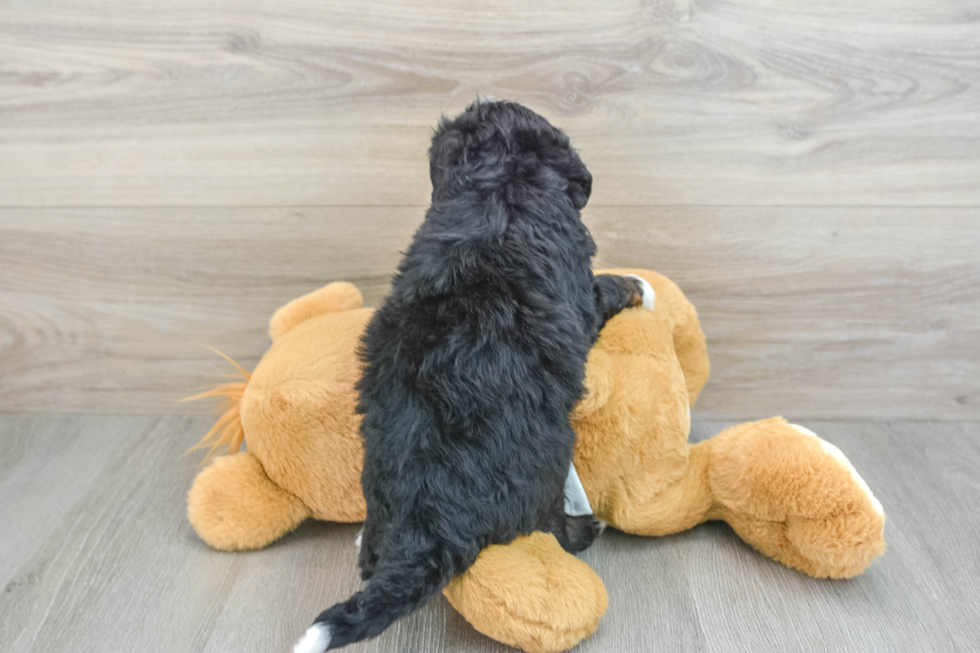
(447, 155)
(580, 189)
(579, 180)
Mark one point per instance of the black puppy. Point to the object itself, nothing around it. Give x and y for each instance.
(472, 365)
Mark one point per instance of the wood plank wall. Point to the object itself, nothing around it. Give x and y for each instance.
(170, 173)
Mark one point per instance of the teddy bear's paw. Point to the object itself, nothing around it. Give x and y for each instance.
(842, 460)
(796, 498)
(649, 296)
(772, 470)
(234, 506)
(840, 547)
(530, 594)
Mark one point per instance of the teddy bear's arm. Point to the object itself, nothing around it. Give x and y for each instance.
(337, 296)
(650, 508)
(234, 506)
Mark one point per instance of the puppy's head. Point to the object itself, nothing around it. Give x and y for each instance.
(504, 146)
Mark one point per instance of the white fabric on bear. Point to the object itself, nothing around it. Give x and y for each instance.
(576, 503)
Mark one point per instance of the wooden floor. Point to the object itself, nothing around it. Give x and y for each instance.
(96, 555)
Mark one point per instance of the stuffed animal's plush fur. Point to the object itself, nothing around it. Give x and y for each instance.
(791, 495)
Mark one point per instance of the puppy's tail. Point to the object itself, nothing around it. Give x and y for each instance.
(416, 571)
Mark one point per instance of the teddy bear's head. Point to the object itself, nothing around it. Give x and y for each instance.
(298, 412)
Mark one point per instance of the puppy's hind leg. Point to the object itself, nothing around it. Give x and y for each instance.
(368, 541)
(581, 532)
(574, 532)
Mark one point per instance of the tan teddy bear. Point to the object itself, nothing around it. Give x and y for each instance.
(791, 495)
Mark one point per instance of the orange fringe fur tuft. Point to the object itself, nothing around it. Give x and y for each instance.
(228, 429)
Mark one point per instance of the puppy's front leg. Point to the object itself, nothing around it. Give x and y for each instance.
(613, 293)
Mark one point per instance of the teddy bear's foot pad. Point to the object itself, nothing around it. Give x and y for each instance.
(234, 506)
(796, 498)
(530, 594)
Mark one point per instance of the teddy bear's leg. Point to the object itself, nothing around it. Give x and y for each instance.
(796, 498)
(234, 506)
(530, 594)
(333, 297)
(656, 509)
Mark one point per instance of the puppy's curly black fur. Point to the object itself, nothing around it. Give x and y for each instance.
(473, 364)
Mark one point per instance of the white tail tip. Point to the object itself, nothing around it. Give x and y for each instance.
(316, 640)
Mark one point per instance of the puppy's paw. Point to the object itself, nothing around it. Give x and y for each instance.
(582, 531)
(648, 296)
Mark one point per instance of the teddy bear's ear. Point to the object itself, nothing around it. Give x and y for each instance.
(598, 383)
(332, 298)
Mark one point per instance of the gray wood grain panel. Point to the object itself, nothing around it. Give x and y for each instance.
(810, 312)
(816, 313)
(122, 570)
(227, 102)
(112, 306)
